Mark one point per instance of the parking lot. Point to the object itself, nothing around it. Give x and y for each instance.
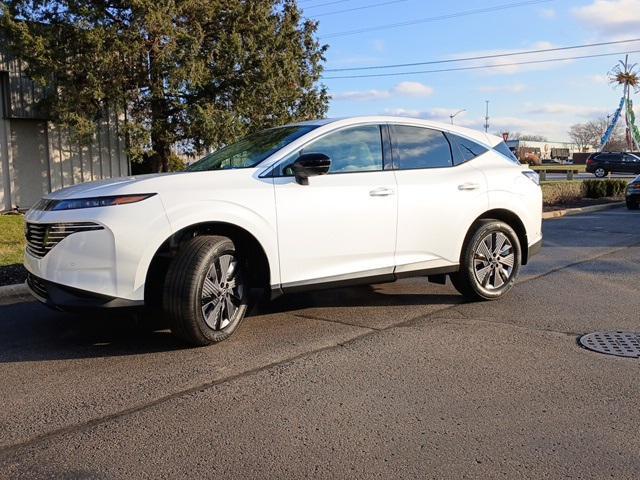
(399, 380)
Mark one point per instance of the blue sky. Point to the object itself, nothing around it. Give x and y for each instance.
(536, 99)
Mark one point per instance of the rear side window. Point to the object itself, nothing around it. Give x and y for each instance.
(464, 149)
(418, 147)
(504, 150)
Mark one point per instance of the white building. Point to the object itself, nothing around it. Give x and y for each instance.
(546, 150)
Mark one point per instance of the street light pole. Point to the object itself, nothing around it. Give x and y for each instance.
(453, 115)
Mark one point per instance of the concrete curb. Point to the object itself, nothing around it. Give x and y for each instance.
(15, 294)
(576, 211)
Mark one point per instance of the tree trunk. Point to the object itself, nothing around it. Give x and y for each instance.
(161, 149)
(160, 128)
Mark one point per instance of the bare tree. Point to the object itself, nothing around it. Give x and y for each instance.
(579, 135)
(589, 134)
(525, 137)
(532, 138)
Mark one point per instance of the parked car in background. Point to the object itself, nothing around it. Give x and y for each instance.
(603, 163)
(633, 194)
(311, 205)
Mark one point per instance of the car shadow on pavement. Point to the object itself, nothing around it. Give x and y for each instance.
(361, 296)
(33, 332)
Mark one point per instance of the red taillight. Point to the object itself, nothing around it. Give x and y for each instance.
(589, 161)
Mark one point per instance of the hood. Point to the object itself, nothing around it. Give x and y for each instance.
(99, 188)
(151, 183)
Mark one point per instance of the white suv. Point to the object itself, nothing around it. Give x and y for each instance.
(310, 205)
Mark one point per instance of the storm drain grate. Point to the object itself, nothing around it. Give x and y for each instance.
(621, 344)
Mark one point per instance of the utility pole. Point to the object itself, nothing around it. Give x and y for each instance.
(486, 117)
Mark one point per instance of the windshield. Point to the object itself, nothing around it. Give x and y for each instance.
(251, 150)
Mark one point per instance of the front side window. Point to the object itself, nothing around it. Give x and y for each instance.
(355, 149)
(418, 147)
(251, 150)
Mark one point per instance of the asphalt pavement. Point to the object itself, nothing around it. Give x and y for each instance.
(403, 380)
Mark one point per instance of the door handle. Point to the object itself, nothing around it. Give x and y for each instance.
(381, 192)
(469, 186)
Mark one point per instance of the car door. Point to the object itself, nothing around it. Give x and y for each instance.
(342, 225)
(437, 196)
(631, 163)
(615, 163)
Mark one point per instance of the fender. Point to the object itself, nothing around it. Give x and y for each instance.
(203, 211)
(526, 208)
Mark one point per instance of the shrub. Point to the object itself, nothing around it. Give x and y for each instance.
(595, 188)
(176, 164)
(604, 188)
(559, 193)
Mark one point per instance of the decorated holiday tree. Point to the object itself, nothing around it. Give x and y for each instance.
(626, 76)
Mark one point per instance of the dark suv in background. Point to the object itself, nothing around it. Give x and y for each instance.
(600, 164)
(633, 194)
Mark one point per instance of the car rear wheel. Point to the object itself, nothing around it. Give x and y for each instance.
(491, 260)
(632, 204)
(600, 172)
(205, 295)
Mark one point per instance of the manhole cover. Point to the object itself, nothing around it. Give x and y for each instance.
(622, 344)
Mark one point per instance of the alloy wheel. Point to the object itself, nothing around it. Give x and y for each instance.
(493, 261)
(222, 292)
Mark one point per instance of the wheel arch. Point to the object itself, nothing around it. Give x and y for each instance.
(246, 243)
(511, 219)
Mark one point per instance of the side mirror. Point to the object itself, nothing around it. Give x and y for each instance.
(310, 164)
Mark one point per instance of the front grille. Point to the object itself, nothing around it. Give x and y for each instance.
(42, 237)
(37, 286)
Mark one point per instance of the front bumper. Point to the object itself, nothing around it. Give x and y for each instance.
(109, 263)
(62, 297)
(534, 249)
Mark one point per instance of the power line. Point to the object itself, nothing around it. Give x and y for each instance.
(365, 7)
(322, 4)
(478, 67)
(436, 18)
(483, 57)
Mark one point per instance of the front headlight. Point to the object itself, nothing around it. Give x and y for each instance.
(531, 175)
(76, 203)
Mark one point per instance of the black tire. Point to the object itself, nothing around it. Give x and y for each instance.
(600, 172)
(632, 204)
(467, 279)
(201, 260)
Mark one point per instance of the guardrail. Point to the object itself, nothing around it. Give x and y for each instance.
(570, 170)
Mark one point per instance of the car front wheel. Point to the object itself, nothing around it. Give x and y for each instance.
(600, 172)
(491, 260)
(205, 295)
(632, 204)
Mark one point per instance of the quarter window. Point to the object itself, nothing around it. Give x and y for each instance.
(506, 151)
(355, 149)
(464, 149)
(418, 147)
